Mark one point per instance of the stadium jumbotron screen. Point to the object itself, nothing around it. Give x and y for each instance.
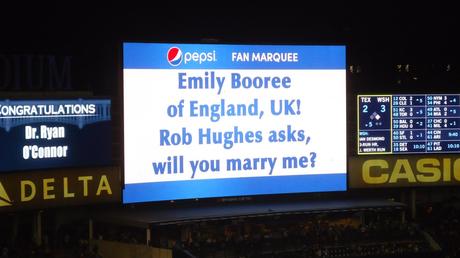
(210, 120)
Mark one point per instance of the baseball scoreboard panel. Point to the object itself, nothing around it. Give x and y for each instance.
(409, 124)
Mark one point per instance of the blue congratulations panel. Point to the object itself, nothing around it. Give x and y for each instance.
(40, 134)
(176, 190)
(199, 56)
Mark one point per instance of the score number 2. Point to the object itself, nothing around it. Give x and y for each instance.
(382, 108)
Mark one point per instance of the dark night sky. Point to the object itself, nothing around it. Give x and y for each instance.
(392, 24)
(376, 33)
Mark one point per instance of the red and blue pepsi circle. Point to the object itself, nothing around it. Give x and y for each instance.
(174, 56)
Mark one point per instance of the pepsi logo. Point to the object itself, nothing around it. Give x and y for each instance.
(174, 56)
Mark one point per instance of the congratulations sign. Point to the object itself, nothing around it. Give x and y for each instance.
(38, 134)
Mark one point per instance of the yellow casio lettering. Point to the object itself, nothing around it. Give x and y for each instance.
(425, 170)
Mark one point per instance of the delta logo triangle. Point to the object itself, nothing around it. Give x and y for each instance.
(4, 198)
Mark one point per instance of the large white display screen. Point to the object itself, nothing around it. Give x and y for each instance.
(206, 121)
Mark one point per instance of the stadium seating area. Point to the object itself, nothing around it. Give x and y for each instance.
(442, 221)
(323, 235)
(383, 234)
